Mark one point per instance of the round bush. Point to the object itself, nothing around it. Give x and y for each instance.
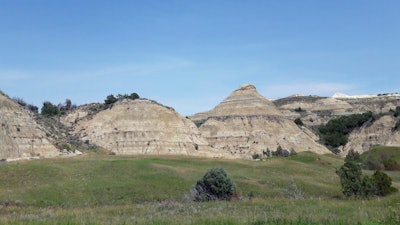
(215, 185)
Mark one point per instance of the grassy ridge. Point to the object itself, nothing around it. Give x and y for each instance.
(100, 189)
(383, 151)
(382, 157)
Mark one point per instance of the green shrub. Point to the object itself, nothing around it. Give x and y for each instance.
(397, 111)
(49, 109)
(350, 179)
(299, 109)
(215, 185)
(281, 152)
(298, 122)
(111, 99)
(256, 156)
(355, 184)
(383, 183)
(353, 156)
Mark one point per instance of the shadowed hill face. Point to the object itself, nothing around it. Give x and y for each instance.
(20, 135)
(246, 123)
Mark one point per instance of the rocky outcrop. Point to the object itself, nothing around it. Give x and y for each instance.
(383, 131)
(20, 135)
(143, 127)
(320, 110)
(377, 104)
(247, 123)
(315, 111)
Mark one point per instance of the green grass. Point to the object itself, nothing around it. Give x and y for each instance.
(383, 151)
(101, 189)
(382, 157)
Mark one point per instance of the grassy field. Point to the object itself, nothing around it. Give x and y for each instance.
(102, 189)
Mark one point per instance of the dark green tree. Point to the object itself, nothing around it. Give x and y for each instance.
(383, 183)
(353, 156)
(298, 122)
(110, 100)
(215, 185)
(350, 179)
(49, 109)
(355, 184)
(134, 96)
(367, 187)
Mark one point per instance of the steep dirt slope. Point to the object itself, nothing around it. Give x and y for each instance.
(384, 131)
(20, 135)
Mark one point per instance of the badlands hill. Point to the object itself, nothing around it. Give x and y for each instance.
(315, 111)
(246, 123)
(139, 126)
(243, 124)
(20, 134)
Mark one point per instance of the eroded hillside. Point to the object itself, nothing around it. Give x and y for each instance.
(243, 124)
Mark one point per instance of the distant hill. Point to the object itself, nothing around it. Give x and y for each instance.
(244, 124)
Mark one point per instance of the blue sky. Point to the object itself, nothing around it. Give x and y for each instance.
(191, 54)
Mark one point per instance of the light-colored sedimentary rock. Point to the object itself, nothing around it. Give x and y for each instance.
(143, 127)
(380, 132)
(20, 135)
(247, 123)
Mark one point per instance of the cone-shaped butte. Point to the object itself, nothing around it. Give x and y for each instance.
(246, 123)
(245, 101)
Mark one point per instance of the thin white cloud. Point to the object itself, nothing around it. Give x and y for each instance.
(306, 88)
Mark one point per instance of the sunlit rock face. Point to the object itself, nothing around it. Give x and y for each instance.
(246, 123)
(20, 136)
(143, 126)
(383, 132)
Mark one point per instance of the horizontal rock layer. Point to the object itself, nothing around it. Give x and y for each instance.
(20, 135)
(143, 127)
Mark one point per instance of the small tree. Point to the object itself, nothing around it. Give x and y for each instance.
(367, 187)
(383, 183)
(350, 178)
(134, 96)
(353, 156)
(215, 185)
(49, 109)
(110, 100)
(354, 184)
(33, 108)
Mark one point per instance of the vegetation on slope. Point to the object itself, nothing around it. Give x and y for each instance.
(381, 158)
(355, 184)
(335, 132)
(100, 189)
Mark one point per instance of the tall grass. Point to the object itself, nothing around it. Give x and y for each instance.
(99, 189)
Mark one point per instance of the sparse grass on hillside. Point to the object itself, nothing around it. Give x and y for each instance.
(382, 158)
(100, 189)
